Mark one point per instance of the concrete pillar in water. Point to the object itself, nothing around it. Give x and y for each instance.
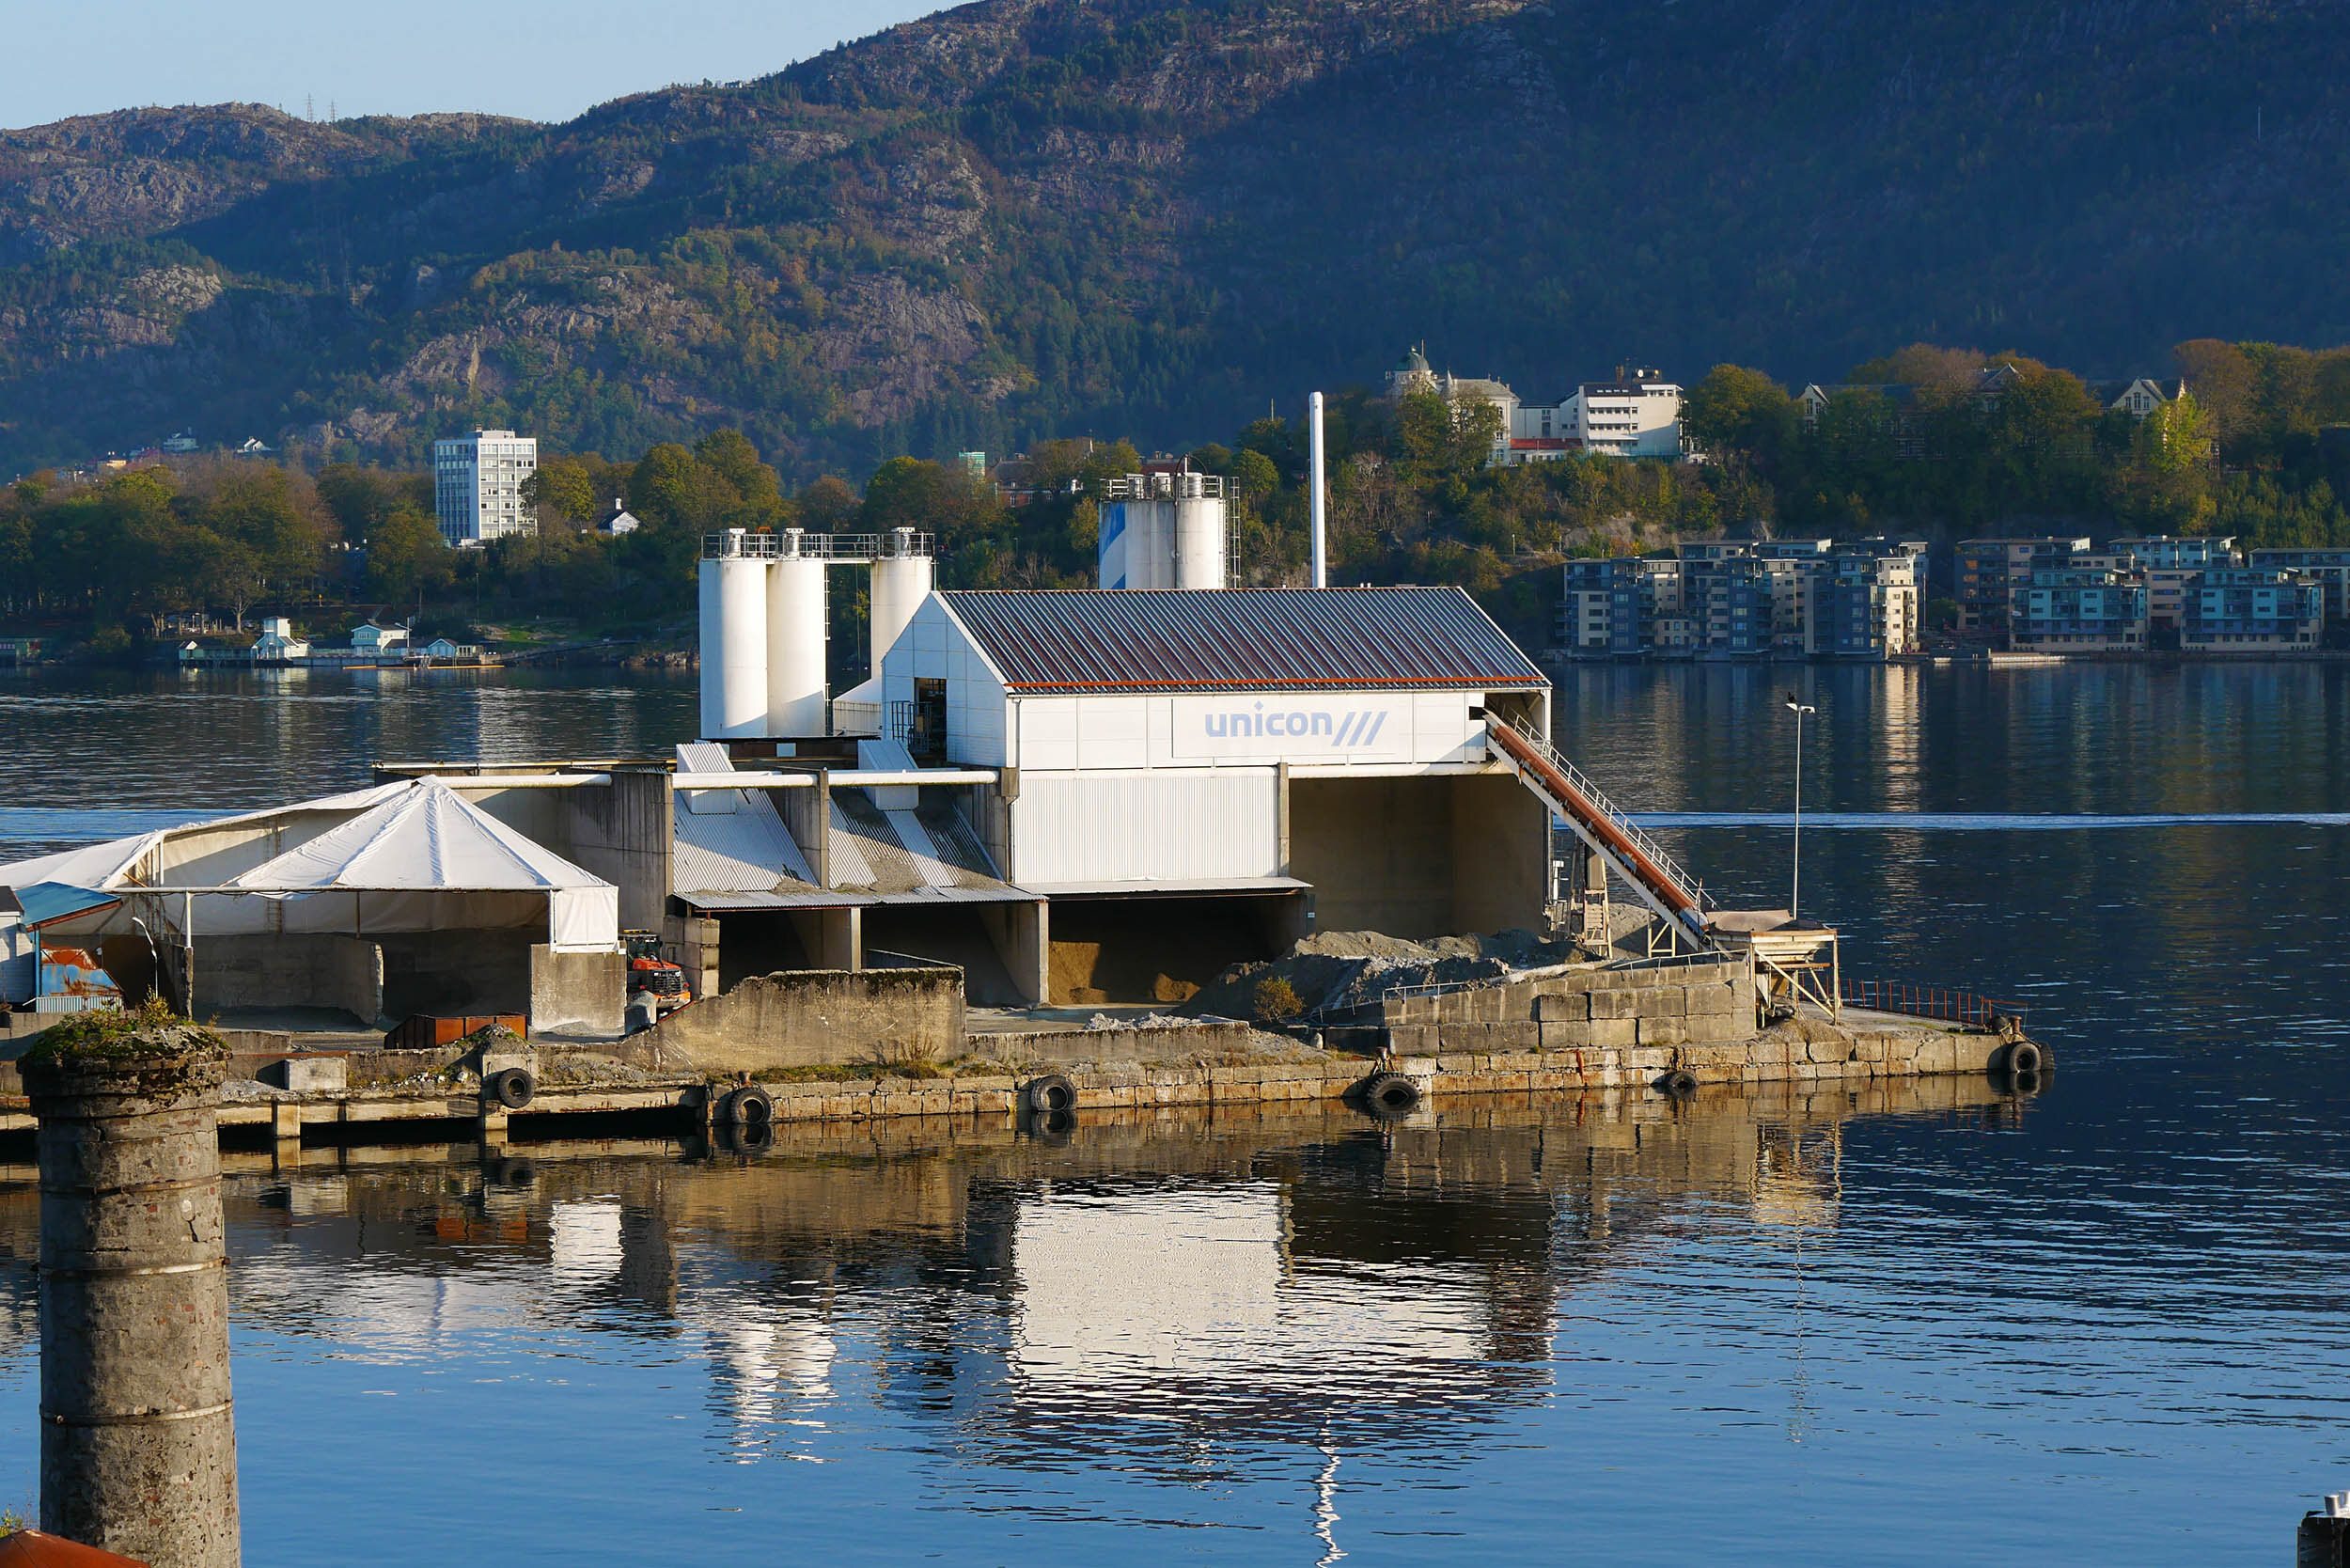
(138, 1448)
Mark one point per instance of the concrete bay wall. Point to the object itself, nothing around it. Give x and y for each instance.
(293, 970)
(811, 1018)
(1706, 1002)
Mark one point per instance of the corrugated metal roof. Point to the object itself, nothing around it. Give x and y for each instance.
(1242, 639)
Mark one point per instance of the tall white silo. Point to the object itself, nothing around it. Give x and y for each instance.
(902, 580)
(1147, 543)
(795, 640)
(734, 644)
(1199, 537)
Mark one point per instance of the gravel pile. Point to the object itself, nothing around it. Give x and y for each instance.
(1335, 971)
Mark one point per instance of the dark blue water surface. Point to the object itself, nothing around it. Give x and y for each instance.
(2107, 1325)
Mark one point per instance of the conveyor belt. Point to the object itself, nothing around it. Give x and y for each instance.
(1631, 854)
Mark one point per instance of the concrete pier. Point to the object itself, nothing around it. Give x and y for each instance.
(138, 1437)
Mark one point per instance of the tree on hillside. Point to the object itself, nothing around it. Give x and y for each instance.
(406, 555)
(1942, 376)
(358, 499)
(757, 498)
(2224, 382)
(1737, 410)
(826, 506)
(911, 492)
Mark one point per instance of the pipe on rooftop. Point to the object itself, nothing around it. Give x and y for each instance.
(842, 778)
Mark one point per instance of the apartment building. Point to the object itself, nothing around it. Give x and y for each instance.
(1745, 599)
(1987, 573)
(2068, 609)
(2329, 568)
(1865, 606)
(477, 486)
(2241, 610)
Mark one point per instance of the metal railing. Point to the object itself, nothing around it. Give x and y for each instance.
(1163, 487)
(1926, 1001)
(1580, 782)
(797, 544)
(1676, 961)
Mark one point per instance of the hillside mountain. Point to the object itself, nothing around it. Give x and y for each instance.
(1027, 217)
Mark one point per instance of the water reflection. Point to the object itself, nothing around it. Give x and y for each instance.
(1159, 1290)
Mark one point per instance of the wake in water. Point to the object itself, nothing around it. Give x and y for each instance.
(1987, 822)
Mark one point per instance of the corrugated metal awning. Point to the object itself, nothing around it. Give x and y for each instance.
(1183, 888)
(1085, 640)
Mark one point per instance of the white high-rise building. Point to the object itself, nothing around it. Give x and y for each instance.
(477, 486)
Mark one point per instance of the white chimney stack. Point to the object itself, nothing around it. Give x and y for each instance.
(1322, 548)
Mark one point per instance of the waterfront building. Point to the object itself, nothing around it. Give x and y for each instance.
(368, 638)
(1623, 608)
(1732, 605)
(1586, 614)
(1989, 570)
(2327, 567)
(1747, 599)
(477, 486)
(2075, 610)
(277, 642)
(2162, 550)
(1864, 605)
(2238, 610)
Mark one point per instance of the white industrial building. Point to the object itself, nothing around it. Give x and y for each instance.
(477, 486)
(1076, 796)
(1095, 794)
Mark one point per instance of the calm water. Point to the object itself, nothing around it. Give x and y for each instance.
(2105, 1326)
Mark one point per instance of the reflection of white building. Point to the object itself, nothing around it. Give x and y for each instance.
(1137, 1293)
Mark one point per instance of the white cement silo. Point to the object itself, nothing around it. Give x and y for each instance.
(734, 647)
(902, 580)
(795, 640)
(1200, 539)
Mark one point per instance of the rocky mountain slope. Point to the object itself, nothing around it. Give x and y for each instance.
(1026, 217)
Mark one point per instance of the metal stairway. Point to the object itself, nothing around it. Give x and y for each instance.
(1676, 896)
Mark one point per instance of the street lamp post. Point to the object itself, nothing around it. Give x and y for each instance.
(1795, 882)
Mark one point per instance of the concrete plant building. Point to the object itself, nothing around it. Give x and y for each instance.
(477, 486)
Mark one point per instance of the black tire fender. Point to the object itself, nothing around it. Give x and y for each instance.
(2024, 1060)
(1679, 1084)
(511, 1087)
(1051, 1092)
(1390, 1096)
(747, 1106)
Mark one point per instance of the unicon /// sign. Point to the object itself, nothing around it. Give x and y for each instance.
(1299, 729)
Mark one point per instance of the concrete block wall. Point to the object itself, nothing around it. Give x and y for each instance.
(811, 1018)
(577, 993)
(294, 970)
(1708, 1003)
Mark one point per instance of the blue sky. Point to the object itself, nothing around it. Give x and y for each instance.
(542, 60)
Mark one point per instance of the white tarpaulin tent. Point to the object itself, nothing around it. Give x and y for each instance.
(427, 859)
(413, 855)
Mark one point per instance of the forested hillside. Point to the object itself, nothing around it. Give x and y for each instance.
(1027, 218)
